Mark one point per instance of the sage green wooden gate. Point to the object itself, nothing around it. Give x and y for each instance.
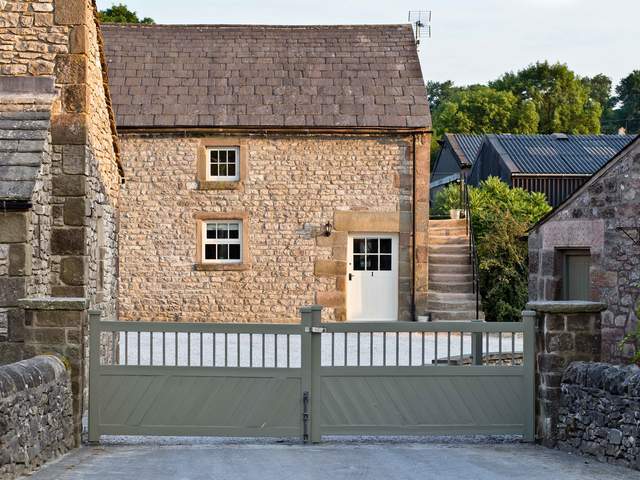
(311, 379)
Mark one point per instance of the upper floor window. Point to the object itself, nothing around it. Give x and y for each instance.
(223, 164)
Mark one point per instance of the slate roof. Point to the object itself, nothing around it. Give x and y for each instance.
(277, 76)
(23, 141)
(559, 154)
(465, 145)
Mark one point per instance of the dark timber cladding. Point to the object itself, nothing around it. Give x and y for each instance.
(364, 76)
(556, 165)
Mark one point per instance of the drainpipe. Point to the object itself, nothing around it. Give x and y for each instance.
(413, 239)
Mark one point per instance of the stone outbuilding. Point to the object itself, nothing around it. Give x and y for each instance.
(588, 248)
(59, 182)
(270, 167)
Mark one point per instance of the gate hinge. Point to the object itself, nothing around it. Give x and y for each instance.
(315, 329)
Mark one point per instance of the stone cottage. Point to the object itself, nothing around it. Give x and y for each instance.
(589, 248)
(59, 181)
(270, 167)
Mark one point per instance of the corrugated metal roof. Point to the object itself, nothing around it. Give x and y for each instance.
(466, 146)
(573, 155)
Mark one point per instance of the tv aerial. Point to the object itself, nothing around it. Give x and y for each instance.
(421, 21)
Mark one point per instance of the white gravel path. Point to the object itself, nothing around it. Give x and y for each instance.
(198, 350)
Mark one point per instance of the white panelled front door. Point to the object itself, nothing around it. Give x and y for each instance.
(372, 277)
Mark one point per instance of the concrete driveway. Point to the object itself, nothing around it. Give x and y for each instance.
(420, 459)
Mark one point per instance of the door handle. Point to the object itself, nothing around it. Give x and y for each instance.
(350, 276)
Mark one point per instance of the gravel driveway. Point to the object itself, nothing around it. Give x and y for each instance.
(426, 459)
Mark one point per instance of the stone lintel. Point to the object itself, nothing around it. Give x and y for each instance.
(361, 221)
(567, 306)
(54, 303)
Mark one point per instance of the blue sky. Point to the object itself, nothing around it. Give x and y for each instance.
(473, 41)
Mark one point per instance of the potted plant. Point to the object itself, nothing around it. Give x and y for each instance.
(455, 213)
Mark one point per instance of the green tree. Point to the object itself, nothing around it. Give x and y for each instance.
(600, 90)
(627, 114)
(481, 109)
(437, 92)
(121, 14)
(562, 100)
(501, 217)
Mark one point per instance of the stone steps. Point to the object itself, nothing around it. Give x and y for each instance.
(448, 240)
(449, 259)
(449, 287)
(453, 249)
(450, 296)
(451, 277)
(447, 268)
(453, 315)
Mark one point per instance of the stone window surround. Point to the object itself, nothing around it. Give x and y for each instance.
(202, 163)
(201, 219)
(355, 222)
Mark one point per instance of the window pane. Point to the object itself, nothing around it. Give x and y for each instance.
(211, 230)
(222, 230)
(214, 155)
(223, 252)
(385, 262)
(222, 169)
(358, 262)
(214, 170)
(372, 245)
(231, 170)
(358, 245)
(234, 230)
(210, 252)
(385, 245)
(231, 156)
(372, 262)
(222, 155)
(234, 252)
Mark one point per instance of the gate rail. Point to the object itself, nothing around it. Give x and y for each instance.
(311, 379)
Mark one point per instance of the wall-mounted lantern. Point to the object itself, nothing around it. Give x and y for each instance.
(327, 229)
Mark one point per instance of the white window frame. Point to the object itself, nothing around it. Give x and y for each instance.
(223, 178)
(218, 241)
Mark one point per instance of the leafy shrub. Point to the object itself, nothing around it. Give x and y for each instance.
(446, 199)
(501, 217)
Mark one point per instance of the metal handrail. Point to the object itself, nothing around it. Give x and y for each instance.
(473, 251)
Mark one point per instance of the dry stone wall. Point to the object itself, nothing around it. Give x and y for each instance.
(600, 412)
(294, 186)
(35, 414)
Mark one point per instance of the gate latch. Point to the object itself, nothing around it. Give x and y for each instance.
(315, 329)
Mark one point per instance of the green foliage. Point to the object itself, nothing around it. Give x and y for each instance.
(562, 100)
(446, 199)
(501, 217)
(439, 91)
(628, 98)
(480, 109)
(121, 14)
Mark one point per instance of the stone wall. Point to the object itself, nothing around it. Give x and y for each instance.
(565, 332)
(29, 37)
(35, 414)
(591, 220)
(295, 184)
(600, 412)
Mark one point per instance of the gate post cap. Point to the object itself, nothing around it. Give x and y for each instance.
(567, 306)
